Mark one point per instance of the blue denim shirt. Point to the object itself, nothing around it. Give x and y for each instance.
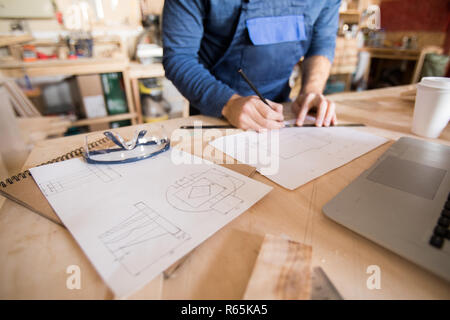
(207, 41)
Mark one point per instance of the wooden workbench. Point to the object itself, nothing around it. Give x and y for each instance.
(35, 252)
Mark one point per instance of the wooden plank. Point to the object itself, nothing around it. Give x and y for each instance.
(3, 175)
(119, 117)
(391, 50)
(137, 99)
(64, 67)
(39, 128)
(11, 40)
(80, 62)
(17, 105)
(393, 57)
(16, 101)
(128, 95)
(28, 106)
(138, 71)
(282, 271)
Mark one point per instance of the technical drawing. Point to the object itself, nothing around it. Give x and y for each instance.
(294, 145)
(211, 190)
(289, 145)
(134, 241)
(85, 175)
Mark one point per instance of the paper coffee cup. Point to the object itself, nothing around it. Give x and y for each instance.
(432, 108)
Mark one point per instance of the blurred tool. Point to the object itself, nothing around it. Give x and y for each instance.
(149, 44)
(322, 287)
(154, 106)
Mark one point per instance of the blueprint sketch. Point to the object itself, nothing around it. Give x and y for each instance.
(299, 143)
(135, 220)
(298, 155)
(206, 191)
(143, 230)
(84, 175)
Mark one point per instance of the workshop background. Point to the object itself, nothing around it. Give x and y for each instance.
(69, 67)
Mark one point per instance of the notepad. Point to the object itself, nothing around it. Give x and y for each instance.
(292, 157)
(135, 220)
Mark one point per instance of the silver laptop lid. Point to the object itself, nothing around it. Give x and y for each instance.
(398, 202)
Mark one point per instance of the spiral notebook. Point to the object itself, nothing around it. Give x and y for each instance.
(22, 189)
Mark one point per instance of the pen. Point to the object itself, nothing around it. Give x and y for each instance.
(241, 72)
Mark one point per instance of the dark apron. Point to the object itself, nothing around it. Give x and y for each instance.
(270, 38)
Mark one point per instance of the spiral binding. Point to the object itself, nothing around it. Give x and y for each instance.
(69, 155)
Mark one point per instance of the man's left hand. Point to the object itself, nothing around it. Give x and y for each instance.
(325, 109)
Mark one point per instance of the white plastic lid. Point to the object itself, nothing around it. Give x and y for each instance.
(436, 82)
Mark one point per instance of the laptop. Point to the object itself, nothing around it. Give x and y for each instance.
(403, 203)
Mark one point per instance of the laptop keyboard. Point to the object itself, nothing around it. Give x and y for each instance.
(441, 231)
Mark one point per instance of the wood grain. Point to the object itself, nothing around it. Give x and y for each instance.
(282, 271)
(221, 266)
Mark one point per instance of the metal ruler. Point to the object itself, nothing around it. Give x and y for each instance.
(322, 287)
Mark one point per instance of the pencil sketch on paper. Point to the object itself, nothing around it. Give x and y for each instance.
(83, 176)
(211, 190)
(299, 154)
(295, 145)
(134, 241)
(290, 145)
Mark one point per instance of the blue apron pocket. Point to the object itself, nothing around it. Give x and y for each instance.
(271, 30)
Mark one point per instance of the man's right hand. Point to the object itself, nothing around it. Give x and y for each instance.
(250, 113)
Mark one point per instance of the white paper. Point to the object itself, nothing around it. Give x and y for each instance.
(135, 220)
(300, 154)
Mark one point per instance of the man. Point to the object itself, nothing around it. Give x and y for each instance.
(206, 42)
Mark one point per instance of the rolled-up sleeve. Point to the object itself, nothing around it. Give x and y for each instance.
(182, 35)
(323, 40)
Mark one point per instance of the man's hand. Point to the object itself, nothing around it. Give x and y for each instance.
(251, 113)
(315, 72)
(325, 109)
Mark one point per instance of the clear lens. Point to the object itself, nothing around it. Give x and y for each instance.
(127, 145)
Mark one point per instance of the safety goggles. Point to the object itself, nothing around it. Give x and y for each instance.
(118, 150)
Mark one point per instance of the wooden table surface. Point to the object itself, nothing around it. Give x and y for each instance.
(35, 252)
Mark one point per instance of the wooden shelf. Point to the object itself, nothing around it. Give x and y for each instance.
(131, 72)
(90, 121)
(58, 43)
(63, 67)
(350, 13)
(392, 53)
(350, 16)
(12, 40)
(140, 71)
(78, 66)
(349, 69)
